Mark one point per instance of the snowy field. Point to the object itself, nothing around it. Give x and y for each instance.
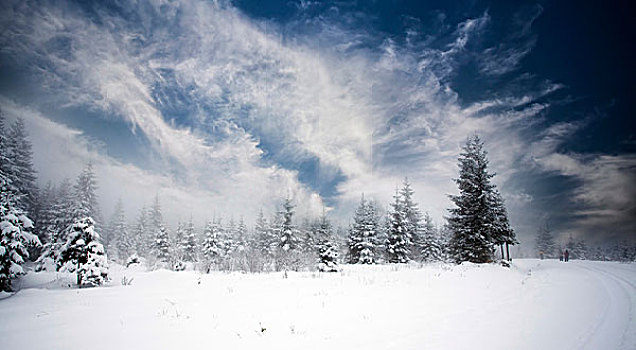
(533, 305)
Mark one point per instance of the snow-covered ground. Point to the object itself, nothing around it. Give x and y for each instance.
(533, 305)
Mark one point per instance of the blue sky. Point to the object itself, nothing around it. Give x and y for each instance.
(225, 107)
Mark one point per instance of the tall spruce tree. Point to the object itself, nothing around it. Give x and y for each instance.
(62, 212)
(86, 204)
(161, 245)
(15, 235)
(398, 243)
(413, 218)
(363, 234)
(155, 220)
(430, 245)
(288, 256)
(266, 240)
(545, 246)
(503, 234)
(288, 232)
(472, 221)
(189, 244)
(140, 234)
(46, 215)
(213, 245)
(121, 242)
(23, 173)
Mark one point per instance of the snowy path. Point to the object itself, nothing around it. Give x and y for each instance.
(617, 328)
(533, 305)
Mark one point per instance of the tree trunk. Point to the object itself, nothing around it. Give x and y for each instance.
(507, 252)
(77, 272)
(502, 254)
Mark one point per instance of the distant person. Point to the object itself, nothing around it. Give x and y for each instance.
(541, 255)
(561, 256)
(567, 255)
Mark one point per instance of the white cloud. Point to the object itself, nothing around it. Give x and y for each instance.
(374, 113)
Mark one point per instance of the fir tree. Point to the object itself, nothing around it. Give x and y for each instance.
(64, 207)
(266, 240)
(327, 252)
(161, 244)
(140, 235)
(413, 218)
(398, 242)
(15, 236)
(61, 211)
(178, 242)
(431, 248)
(189, 243)
(287, 232)
(363, 234)
(240, 240)
(85, 194)
(154, 220)
(6, 160)
(213, 245)
(580, 250)
(502, 233)
(47, 214)
(472, 221)
(84, 254)
(545, 245)
(22, 174)
(120, 240)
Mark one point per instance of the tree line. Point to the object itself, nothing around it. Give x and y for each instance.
(60, 227)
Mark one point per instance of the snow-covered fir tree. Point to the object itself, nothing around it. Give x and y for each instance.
(398, 243)
(580, 250)
(6, 161)
(86, 204)
(64, 207)
(108, 235)
(154, 220)
(430, 245)
(327, 251)
(288, 233)
(545, 246)
(266, 240)
(15, 235)
(308, 237)
(413, 219)
(231, 235)
(189, 243)
(472, 220)
(155, 215)
(213, 248)
(22, 174)
(178, 242)
(46, 218)
(83, 254)
(240, 240)
(502, 233)
(61, 212)
(363, 234)
(121, 242)
(288, 256)
(161, 245)
(140, 234)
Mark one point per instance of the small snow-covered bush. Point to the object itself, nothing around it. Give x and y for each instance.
(133, 259)
(178, 265)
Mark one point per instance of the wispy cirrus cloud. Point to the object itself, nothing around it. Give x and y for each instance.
(242, 111)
